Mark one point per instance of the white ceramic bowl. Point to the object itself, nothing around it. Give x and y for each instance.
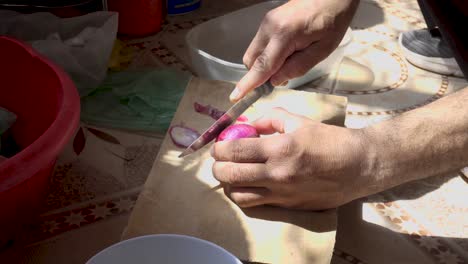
(164, 249)
(216, 47)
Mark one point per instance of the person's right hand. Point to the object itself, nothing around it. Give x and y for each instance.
(292, 39)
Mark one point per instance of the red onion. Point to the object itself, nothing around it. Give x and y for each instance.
(183, 136)
(208, 110)
(213, 112)
(237, 131)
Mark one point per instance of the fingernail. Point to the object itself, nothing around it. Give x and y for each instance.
(235, 94)
(284, 83)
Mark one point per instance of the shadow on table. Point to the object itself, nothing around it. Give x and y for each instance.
(368, 15)
(372, 243)
(414, 189)
(317, 222)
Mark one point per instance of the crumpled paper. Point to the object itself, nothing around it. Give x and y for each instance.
(80, 45)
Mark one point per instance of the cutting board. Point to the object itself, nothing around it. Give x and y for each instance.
(178, 196)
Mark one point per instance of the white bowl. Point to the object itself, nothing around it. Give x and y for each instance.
(216, 47)
(164, 249)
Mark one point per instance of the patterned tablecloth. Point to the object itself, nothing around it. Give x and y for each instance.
(426, 221)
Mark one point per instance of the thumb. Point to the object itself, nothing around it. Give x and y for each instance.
(279, 121)
(264, 66)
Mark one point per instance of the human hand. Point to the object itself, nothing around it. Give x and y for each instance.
(292, 39)
(308, 165)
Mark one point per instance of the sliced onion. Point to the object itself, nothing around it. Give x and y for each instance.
(214, 112)
(237, 131)
(208, 110)
(183, 136)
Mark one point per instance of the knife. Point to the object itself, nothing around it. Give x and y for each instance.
(228, 118)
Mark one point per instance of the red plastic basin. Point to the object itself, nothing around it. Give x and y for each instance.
(47, 106)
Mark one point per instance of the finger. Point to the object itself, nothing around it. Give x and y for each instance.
(246, 150)
(265, 65)
(241, 174)
(279, 121)
(301, 62)
(248, 197)
(256, 47)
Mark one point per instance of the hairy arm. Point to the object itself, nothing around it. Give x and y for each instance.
(427, 141)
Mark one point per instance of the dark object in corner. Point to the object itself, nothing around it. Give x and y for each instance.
(8, 148)
(450, 17)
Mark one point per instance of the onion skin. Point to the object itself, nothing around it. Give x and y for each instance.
(237, 131)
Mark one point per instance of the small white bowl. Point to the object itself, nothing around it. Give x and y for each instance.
(217, 46)
(164, 249)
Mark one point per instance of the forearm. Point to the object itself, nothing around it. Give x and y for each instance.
(424, 142)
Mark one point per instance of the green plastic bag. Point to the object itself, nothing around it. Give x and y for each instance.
(142, 100)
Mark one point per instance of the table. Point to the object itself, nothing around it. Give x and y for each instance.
(92, 194)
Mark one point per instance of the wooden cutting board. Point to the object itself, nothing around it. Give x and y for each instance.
(178, 196)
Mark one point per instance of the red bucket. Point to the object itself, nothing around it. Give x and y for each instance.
(138, 17)
(47, 106)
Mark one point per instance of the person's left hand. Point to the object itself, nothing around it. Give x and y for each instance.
(309, 165)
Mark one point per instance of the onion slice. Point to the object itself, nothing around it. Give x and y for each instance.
(208, 110)
(213, 112)
(183, 136)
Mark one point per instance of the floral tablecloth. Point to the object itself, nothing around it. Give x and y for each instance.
(92, 193)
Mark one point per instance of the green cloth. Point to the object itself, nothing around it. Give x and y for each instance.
(143, 100)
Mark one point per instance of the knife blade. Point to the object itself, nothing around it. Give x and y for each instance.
(228, 118)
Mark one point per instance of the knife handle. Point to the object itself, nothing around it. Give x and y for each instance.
(249, 99)
(266, 88)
